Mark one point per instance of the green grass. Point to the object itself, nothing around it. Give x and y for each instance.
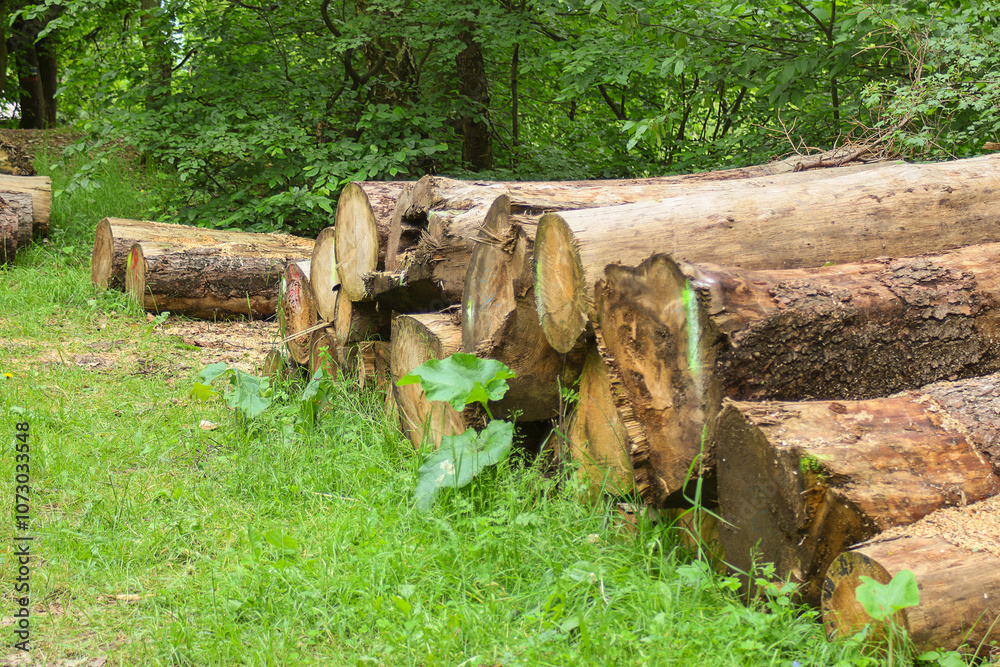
(161, 543)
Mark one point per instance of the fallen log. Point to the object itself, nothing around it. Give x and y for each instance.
(298, 311)
(799, 483)
(9, 232)
(362, 229)
(437, 219)
(685, 336)
(415, 340)
(40, 190)
(596, 438)
(323, 275)
(358, 322)
(368, 364)
(896, 210)
(954, 554)
(20, 204)
(201, 273)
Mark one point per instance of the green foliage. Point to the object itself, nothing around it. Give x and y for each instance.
(460, 458)
(247, 393)
(883, 600)
(459, 380)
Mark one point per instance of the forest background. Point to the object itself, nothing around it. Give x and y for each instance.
(261, 112)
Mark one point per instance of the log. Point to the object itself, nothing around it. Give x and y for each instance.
(596, 438)
(685, 336)
(324, 352)
(323, 275)
(40, 189)
(368, 364)
(298, 311)
(357, 322)
(415, 340)
(10, 228)
(896, 210)
(196, 271)
(276, 367)
(954, 554)
(362, 230)
(801, 482)
(444, 215)
(20, 204)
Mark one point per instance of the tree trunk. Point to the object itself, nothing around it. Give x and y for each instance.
(362, 230)
(477, 142)
(415, 340)
(47, 49)
(685, 336)
(323, 275)
(298, 311)
(595, 435)
(368, 364)
(195, 271)
(954, 554)
(897, 210)
(801, 482)
(32, 96)
(40, 189)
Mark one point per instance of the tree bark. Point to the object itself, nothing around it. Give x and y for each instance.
(897, 210)
(801, 482)
(362, 230)
(955, 556)
(477, 142)
(19, 205)
(685, 336)
(10, 230)
(323, 275)
(298, 311)
(415, 340)
(40, 189)
(199, 272)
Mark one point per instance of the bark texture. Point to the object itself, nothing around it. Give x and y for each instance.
(198, 272)
(40, 189)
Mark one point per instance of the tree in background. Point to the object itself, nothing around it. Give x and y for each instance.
(265, 111)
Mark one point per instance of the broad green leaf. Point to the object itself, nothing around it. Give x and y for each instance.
(883, 600)
(246, 396)
(212, 371)
(460, 458)
(282, 542)
(202, 392)
(460, 379)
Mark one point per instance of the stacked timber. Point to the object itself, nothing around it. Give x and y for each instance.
(25, 202)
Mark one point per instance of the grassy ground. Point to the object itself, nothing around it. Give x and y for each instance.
(161, 543)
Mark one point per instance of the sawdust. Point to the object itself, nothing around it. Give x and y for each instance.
(974, 527)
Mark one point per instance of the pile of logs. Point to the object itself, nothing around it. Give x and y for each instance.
(25, 202)
(812, 344)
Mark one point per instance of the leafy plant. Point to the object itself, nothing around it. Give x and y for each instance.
(247, 393)
(459, 380)
(882, 601)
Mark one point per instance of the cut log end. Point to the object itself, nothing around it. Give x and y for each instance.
(559, 284)
(298, 312)
(324, 353)
(102, 256)
(323, 274)
(498, 259)
(135, 274)
(356, 240)
(415, 340)
(597, 439)
(843, 615)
